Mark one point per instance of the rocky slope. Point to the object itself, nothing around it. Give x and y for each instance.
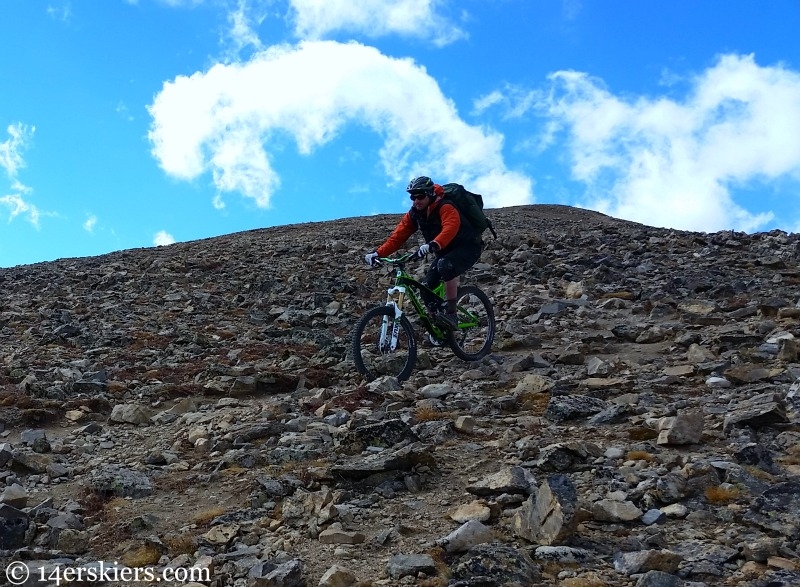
(193, 407)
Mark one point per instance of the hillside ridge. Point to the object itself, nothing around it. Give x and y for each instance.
(195, 405)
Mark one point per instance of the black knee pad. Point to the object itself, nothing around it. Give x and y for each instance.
(432, 277)
(445, 268)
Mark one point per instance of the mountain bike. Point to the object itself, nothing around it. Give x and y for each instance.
(384, 341)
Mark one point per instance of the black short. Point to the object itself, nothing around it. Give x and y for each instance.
(453, 263)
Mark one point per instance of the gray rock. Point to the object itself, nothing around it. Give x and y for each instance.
(469, 534)
(563, 456)
(436, 432)
(6, 451)
(32, 462)
(548, 517)
(338, 576)
(13, 527)
(571, 407)
(113, 480)
(403, 459)
(72, 541)
(514, 480)
(760, 549)
(494, 564)
(670, 488)
(339, 536)
(704, 558)
(762, 410)
(613, 414)
(384, 434)
(684, 428)
(15, 496)
(129, 414)
(563, 554)
(436, 390)
(631, 563)
(268, 574)
(66, 520)
(660, 579)
(775, 510)
(609, 510)
(653, 516)
(30, 436)
(410, 565)
(57, 470)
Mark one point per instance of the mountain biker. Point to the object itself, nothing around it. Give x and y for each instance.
(455, 244)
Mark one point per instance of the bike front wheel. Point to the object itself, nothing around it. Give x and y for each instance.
(384, 345)
(475, 334)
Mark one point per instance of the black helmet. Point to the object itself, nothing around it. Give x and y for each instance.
(421, 185)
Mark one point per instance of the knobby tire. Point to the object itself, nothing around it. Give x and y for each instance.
(474, 343)
(370, 360)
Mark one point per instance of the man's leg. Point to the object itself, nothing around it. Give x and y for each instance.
(449, 273)
(451, 266)
(432, 276)
(431, 280)
(451, 291)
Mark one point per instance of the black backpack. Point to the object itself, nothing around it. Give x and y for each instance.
(470, 205)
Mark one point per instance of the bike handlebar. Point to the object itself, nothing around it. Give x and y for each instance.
(399, 260)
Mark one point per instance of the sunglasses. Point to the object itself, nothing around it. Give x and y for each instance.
(416, 197)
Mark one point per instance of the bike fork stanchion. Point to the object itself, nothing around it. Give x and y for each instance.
(384, 335)
(394, 299)
(390, 337)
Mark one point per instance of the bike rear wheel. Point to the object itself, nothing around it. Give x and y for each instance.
(372, 352)
(474, 337)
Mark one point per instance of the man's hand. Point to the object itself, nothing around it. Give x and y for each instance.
(371, 259)
(430, 247)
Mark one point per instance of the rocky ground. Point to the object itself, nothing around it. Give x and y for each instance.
(194, 407)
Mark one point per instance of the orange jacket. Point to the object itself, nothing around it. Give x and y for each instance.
(450, 223)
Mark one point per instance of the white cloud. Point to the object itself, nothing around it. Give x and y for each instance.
(11, 162)
(673, 163)
(220, 121)
(482, 104)
(90, 223)
(62, 13)
(163, 238)
(11, 150)
(314, 19)
(243, 22)
(17, 206)
(20, 188)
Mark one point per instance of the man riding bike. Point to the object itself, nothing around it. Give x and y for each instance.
(455, 244)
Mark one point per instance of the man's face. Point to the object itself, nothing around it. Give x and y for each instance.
(421, 201)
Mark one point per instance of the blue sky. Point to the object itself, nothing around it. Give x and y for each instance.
(135, 123)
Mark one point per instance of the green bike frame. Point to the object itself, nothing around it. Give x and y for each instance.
(396, 297)
(406, 286)
(376, 345)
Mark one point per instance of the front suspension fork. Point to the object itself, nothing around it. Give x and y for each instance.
(394, 298)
